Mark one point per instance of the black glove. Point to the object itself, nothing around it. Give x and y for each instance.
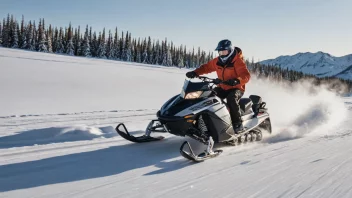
(232, 82)
(217, 81)
(191, 74)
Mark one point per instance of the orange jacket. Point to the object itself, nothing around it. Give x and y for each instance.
(235, 69)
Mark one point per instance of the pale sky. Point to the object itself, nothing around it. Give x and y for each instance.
(263, 29)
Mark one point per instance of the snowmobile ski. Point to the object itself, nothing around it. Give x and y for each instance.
(123, 132)
(209, 153)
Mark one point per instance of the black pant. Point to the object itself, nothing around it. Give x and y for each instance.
(233, 97)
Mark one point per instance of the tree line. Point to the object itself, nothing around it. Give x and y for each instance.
(89, 43)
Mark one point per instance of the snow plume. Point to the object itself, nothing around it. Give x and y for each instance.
(299, 109)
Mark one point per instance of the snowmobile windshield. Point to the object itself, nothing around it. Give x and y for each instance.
(194, 90)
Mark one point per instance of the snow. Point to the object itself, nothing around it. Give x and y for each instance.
(57, 138)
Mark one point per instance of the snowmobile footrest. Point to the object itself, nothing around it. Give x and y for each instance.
(123, 132)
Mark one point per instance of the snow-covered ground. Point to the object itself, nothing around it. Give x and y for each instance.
(57, 138)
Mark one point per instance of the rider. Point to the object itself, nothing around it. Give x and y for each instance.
(230, 68)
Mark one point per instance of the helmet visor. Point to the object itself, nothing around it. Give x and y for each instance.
(223, 52)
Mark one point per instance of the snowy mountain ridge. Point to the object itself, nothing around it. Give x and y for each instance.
(320, 64)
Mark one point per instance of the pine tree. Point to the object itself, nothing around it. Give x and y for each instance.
(6, 31)
(125, 46)
(116, 45)
(149, 51)
(93, 46)
(164, 53)
(198, 58)
(169, 57)
(49, 41)
(77, 41)
(185, 57)
(10, 32)
(122, 47)
(90, 37)
(55, 38)
(86, 46)
(138, 52)
(102, 46)
(157, 53)
(180, 61)
(128, 48)
(151, 55)
(23, 35)
(59, 43)
(69, 46)
(145, 52)
(134, 51)
(14, 30)
(34, 38)
(110, 48)
(0, 34)
(41, 38)
(29, 35)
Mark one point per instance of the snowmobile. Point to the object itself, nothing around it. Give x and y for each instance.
(197, 112)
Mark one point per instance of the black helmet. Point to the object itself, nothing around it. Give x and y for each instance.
(224, 45)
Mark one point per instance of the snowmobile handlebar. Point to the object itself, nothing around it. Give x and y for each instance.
(210, 80)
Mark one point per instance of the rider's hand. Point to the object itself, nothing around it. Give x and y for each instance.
(232, 82)
(217, 81)
(191, 74)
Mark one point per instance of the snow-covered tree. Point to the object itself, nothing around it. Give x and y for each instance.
(94, 45)
(122, 47)
(0, 34)
(149, 51)
(29, 36)
(59, 43)
(70, 50)
(34, 39)
(110, 48)
(116, 46)
(168, 56)
(23, 35)
(164, 53)
(138, 52)
(102, 46)
(14, 36)
(145, 52)
(50, 44)
(128, 48)
(55, 38)
(41, 38)
(6, 32)
(180, 61)
(86, 46)
(157, 53)
(50, 40)
(77, 41)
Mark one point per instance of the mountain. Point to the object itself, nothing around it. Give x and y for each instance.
(320, 64)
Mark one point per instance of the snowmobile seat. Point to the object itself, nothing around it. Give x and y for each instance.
(246, 105)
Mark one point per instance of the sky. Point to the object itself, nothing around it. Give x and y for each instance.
(262, 29)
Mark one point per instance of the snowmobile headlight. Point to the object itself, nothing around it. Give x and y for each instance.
(193, 95)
